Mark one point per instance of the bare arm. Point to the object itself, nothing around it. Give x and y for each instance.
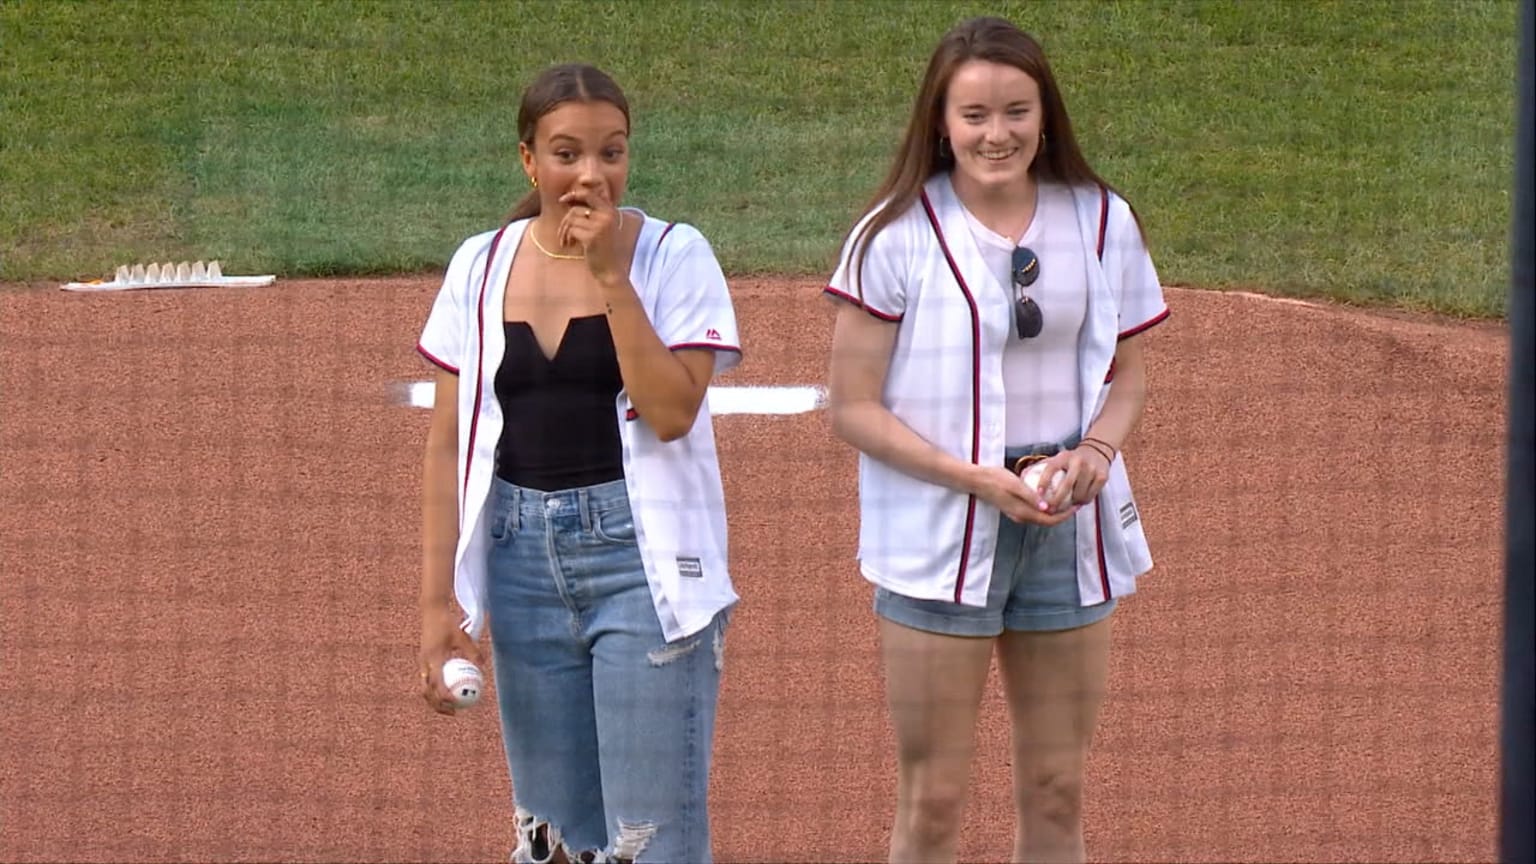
(667, 387)
(1127, 396)
(861, 356)
(441, 635)
(439, 503)
(1087, 465)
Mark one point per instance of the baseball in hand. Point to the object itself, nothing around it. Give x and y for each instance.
(1033, 473)
(463, 680)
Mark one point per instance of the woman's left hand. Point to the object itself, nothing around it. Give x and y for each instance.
(592, 223)
(1087, 472)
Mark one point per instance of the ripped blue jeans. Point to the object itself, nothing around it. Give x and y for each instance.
(608, 728)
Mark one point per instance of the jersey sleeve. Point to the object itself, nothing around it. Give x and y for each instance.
(880, 289)
(694, 301)
(1142, 305)
(444, 339)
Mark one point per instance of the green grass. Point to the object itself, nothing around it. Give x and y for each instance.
(1355, 150)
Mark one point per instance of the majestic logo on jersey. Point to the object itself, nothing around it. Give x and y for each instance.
(712, 334)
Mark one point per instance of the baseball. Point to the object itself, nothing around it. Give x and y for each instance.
(463, 680)
(1033, 473)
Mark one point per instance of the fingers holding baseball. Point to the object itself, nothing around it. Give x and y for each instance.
(443, 642)
(1093, 473)
(451, 684)
(432, 690)
(1053, 480)
(1040, 513)
(1071, 478)
(1048, 483)
(1002, 489)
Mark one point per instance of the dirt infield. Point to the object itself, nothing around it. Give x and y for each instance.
(208, 544)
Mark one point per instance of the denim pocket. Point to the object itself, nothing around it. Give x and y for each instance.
(616, 526)
(501, 520)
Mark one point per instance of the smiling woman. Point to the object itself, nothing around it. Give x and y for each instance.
(993, 296)
(575, 346)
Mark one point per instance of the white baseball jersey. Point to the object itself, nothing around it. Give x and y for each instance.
(945, 381)
(674, 487)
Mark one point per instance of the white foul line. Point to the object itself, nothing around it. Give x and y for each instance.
(765, 400)
(722, 400)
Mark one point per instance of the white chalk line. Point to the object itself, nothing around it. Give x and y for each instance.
(1271, 298)
(722, 399)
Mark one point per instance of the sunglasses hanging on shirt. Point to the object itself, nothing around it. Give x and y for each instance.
(1026, 312)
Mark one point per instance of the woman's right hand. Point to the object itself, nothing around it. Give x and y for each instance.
(1014, 498)
(441, 639)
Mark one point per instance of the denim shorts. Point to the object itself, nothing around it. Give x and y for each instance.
(608, 727)
(1034, 582)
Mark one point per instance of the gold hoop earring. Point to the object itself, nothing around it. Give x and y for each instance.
(534, 181)
(1042, 141)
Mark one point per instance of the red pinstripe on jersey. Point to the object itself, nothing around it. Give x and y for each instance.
(436, 360)
(1103, 219)
(1098, 543)
(844, 295)
(474, 419)
(1098, 525)
(970, 509)
(1146, 325)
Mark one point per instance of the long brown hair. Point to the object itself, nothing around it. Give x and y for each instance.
(918, 158)
(555, 86)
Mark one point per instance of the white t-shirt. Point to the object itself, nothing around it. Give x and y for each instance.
(1039, 374)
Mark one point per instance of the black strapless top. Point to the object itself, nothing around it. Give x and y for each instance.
(561, 429)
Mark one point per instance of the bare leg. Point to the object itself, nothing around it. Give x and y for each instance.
(1055, 684)
(933, 690)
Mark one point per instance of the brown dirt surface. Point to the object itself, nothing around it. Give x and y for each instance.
(208, 564)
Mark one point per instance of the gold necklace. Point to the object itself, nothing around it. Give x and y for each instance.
(556, 255)
(535, 238)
